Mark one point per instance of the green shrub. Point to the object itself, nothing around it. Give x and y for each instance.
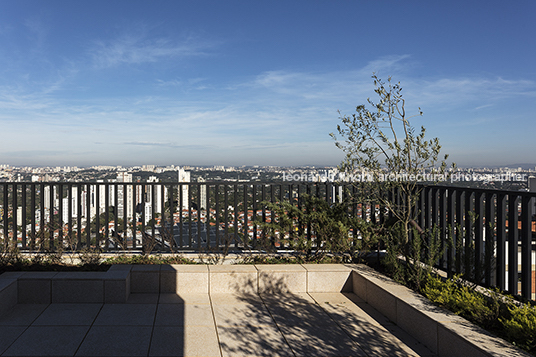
(464, 301)
(520, 326)
(497, 313)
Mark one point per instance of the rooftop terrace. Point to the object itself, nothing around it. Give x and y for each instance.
(233, 310)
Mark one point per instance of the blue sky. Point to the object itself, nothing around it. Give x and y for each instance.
(258, 82)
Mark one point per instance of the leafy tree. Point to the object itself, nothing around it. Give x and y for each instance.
(380, 143)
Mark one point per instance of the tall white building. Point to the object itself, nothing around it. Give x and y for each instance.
(155, 190)
(124, 197)
(49, 205)
(202, 193)
(184, 177)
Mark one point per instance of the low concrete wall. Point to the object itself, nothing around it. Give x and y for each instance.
(444, 333)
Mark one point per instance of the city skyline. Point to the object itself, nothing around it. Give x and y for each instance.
(252, 83)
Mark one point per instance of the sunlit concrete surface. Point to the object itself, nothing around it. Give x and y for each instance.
(197, 324)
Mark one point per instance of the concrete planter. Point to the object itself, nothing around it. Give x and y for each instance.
(444, 333)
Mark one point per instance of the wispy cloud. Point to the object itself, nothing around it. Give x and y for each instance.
(481, 91)
(139, 49)
(275, 113)
(387, 65)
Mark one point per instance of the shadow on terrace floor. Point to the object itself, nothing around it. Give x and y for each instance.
(281, 323)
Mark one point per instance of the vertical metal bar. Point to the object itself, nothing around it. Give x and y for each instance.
(88, 215)
(263, 192)
(373, 211)
(235, 213)
(207, 212)
(489, 230)
(70, 215)
(226, 214)
(198, 186)
(143, 201)
(189, 197)
(60, 215)
(382, 206)
(217, 197)
(42, 233)
(125, 217)
(500, 263)
(97, 216)
(451, 209)
(79, 216)
(429, 208)
(443, 223)
(421, 204)
(24, 218)
(254, 215)
(134, 220)
(479, 239)
(152, 187)
(513, 246)
(107, 215)
(246, 206)
(14, 215)
(4, 209)
(469, 209)
(436, 207)
(172, 242)
(309, 223)
(460, 217)
(33, 210)
(115, 235)
(392, 194)
(526, 247)
(163, 214)
(51, 227)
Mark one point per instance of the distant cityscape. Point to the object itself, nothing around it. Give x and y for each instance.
(70, 199)
(505, 178)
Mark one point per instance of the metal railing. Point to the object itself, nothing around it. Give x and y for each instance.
(491, 233)
(167, 216)
(484, 232)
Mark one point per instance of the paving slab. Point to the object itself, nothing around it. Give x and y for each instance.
(190, 340)
(242, 315)
(287, 299)
(253, 341)
(184, 298)
(22, 314)
(116, 341)
(184, 315)
(48, 341)
(8, 335)
(171, 324)
(126, 315)
(313, 340)
(230, 299)
(68, 315)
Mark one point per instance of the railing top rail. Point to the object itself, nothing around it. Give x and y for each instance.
(485, 190)
(168, 183)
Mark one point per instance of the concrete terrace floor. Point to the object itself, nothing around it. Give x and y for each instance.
(303, 324)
